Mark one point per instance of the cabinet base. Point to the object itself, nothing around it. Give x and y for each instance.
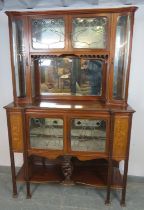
(92, 173)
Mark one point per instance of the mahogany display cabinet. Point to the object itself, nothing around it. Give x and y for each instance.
(70, 117)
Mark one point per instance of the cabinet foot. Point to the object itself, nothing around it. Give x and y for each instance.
(107, 202)
(28, 196)
(15, 195)
(123, 204)
(68, 182)
(28, 190)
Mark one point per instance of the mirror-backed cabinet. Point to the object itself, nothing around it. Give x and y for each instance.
(70, 73)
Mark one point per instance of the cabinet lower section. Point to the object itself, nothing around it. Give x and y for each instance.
(92, 173)
(71, 146)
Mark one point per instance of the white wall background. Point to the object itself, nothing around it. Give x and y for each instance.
(136, 94)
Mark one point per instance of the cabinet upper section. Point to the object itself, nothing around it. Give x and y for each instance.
(76, 54)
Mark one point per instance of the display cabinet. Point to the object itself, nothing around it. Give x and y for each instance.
(70, 117)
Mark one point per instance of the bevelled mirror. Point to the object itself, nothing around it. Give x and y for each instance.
(70, 76)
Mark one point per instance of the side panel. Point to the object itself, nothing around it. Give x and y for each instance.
(121, 136)
(16, 131)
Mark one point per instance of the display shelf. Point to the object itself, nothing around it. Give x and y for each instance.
(92, 173)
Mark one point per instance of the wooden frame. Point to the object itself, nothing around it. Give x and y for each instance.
(70, 166)
(111, 14)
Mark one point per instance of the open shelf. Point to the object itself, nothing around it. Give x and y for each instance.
(92, 173)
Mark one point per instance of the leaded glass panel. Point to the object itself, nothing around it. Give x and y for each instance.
(89, 32)
(48, 33)
(88, 135)
(46, 133)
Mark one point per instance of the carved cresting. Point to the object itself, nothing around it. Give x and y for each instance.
(67, 169)
(16, 131)
(121, 127)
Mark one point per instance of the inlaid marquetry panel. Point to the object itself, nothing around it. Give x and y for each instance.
(121, 126)
(16, 131)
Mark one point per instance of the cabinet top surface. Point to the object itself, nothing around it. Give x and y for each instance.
(72, 11)
(70, 105)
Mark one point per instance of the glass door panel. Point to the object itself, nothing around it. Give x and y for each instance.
(19, 57)
(88, 135)
(46, 133)
(89, 32)
(70, 76)
(48, 33)
(121, 56)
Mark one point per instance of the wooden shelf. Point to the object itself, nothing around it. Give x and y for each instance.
(85, 172)
(40, 174)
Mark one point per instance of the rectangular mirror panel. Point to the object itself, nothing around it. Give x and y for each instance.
(70, 76)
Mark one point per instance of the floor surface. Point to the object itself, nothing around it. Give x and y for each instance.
(59, 197)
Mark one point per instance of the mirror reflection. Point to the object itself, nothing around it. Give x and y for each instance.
(70, 76)
(121, 56)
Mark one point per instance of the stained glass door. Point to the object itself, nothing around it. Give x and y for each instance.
(46, 133)
(89, 32)
(88, 135)
(48, 33)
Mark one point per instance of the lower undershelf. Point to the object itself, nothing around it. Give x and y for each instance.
(92, 175)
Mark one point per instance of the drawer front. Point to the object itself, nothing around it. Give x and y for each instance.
(121, 136)
(16, 131)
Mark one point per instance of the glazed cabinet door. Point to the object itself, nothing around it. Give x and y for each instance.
(89, 135)
(90, 32)
(45, 133)
(48, 33)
